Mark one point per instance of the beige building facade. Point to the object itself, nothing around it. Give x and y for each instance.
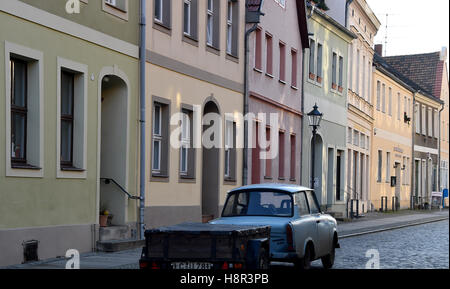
(195, 66)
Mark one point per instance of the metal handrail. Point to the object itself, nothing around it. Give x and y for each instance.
(108, 181)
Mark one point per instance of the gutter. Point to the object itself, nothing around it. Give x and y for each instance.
(439, 152)
(413, 153)
(142, 76)
(302, 129)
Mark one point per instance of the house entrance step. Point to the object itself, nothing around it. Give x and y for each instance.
(114, 233)
(119, 245)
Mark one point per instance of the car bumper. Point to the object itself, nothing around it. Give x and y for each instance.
(284, 256)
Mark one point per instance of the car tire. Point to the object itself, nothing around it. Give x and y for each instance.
(328, 260)
(263, 262)
(305, 262)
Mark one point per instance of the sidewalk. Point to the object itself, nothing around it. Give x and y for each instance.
(371, 223)
(376, 222)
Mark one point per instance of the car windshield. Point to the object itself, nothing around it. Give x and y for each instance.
(257, 203)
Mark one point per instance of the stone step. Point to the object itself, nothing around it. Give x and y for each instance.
(119, 245)
(114, 233)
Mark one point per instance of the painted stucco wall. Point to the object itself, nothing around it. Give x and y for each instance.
(52, 204)
(393, 135)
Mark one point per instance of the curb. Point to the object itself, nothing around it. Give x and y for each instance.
(434, 220)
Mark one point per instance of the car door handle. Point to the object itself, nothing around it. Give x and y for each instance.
(318, 222)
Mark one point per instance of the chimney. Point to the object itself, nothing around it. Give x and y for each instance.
(379, 49)
(443, 55)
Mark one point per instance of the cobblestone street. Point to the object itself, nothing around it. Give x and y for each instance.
(417, 247)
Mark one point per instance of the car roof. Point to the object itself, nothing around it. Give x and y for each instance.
(270, 186)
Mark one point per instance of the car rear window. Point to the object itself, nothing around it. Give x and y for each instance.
(258, 203)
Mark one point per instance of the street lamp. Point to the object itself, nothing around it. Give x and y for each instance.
(315, 117)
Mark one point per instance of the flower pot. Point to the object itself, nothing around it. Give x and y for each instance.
(319, 79)
(334, 86)
(312, 76)
(104, 221)
(340, 88)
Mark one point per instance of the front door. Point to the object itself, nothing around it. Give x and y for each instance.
(398, 184)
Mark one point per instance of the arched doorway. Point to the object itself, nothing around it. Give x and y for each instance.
(210, 167)
(318, 171)
(114, 148)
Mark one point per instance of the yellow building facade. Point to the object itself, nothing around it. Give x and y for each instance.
(392, 140)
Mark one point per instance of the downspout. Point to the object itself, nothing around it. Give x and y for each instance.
(439, 152)
(142, 63)
(302, 129)
(246, 101)
(413, 161)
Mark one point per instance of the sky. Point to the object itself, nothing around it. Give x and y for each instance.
(414, 26)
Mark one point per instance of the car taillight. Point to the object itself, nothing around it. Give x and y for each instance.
(155, 265)
(225, 266)
(143, 265)
(289, 238)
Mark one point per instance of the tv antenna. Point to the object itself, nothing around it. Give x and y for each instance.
(386, 35)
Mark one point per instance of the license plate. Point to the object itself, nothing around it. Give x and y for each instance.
(191, 266)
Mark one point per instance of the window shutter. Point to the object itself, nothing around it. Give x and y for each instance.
(235, 27)
(167, 12)
(216, 24)
(194, 19)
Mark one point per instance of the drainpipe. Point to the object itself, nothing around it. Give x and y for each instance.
(142, 63)
(302, 129)
(246, 100)
(439, 152)
(413, 161)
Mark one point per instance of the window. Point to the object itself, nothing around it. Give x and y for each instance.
(363, 141)
(319, 62)
(232, 27)
(388, 167)
(162, 10)
(355, 138)
(187, 151)
(160, 138)
(424, 120)
(399, 106)
(210, 22)
(350, 68)
(349, 135)
(213, 23)
(281, 143)
(357, 72)
(258, 49)
(378, 95)
(312, 49)
(341, 71)
(390, 102)
(71, 119)
(380, 166)
(294, 68)
(300, 200)
(268, 172)
(293, 157)
(312, 202)
(269, 56)
(282, 62)
(24, 105)
(417, 118)
(333, 72)
(67, 118)
(19, 110)
(435, 124)
(363, 95)
(230, 151)
(117, 8)
(430, 122)
(187, 17)
(383, 100)
(185, 143)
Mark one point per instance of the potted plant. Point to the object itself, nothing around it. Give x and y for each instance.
(319, 79)
(105, 218)
(334, 86)
(340, 88)
(312, 76)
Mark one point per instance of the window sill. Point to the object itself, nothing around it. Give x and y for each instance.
(159, 178)
(257, 70)
(294, 87)
(187, 179)
(230, 180)
(232, 57)
(24, 167)
(292, 180)
(282, 81)
(269, 75)
(116, 8)
(281, 179)
(162, 28)
(212, 49)
(71, 169)
(268, 178)
(190, 40)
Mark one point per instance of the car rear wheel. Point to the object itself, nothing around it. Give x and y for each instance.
(328, 260)
(305, 262)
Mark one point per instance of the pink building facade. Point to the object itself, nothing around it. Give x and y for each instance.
(275, 86)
